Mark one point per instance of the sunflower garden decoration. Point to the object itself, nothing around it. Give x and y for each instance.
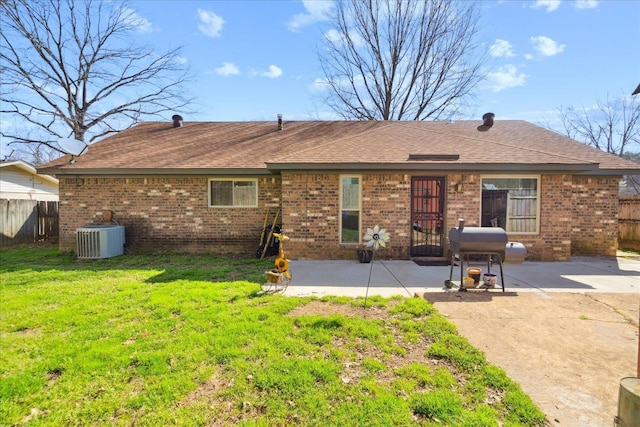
(375, 239)
(278, 279)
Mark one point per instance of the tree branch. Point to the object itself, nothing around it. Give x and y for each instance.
(64, 71)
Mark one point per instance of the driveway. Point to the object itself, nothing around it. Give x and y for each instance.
(567, 332)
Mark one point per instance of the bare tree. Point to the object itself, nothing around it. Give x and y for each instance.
(612, 126)
(632, 181)
(72, 69)
(35, 154)
(400, 59)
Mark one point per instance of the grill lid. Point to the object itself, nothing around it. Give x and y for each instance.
(477, 239)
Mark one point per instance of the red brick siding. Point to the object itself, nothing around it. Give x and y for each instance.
(164, 213)
(465, 203)
(386, 202)
(557, 215)
(577, 215)
(553, 242)
(595, 213)
(311, 202)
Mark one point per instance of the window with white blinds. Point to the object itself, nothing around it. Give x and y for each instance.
(233, 193)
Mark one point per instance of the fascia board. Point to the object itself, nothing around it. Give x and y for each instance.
(155, 172)
(432, 166)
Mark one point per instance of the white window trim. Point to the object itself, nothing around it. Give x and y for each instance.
(234, 179)
(538, 198)
(341, 177)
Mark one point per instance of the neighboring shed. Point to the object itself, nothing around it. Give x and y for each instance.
(28, 204)
(206, 186)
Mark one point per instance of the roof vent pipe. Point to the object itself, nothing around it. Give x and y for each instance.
(280, 125)
(488, 119)
(488, 122)
(177, 121)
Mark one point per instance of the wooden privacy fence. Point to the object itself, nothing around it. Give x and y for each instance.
(629, 223)
(27, 221)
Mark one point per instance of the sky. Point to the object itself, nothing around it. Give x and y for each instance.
(252, 60)
(255, 59)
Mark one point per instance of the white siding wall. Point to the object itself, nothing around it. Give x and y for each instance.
(16, 183)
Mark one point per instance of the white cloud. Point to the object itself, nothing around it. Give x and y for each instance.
(131, 17)
(586, 4)
(336, 37)
(318, 85)
(210, 23)
(316, 11)
(227, 69)
(550, 5)
(546, 46)
(501, 48)
(181, 60)
(273, 73)
(333, 36)
(506, 77)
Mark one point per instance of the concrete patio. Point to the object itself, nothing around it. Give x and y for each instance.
(388, 278)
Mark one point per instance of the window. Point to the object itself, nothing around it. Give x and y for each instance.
(350, 209)
(511, 203)
(233, 192)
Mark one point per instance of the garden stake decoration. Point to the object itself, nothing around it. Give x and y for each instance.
(375, 239)
(278, 279)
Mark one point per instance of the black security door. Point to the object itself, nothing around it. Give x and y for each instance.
(427, 216)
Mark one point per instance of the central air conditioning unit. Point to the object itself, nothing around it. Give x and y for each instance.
(99, 241)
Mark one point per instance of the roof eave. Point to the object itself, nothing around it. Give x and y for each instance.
(613, 172)
(155, 171)
(440, 166)
(580, 169)
(30, 169)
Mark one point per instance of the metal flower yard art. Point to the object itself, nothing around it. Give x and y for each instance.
(376, 238)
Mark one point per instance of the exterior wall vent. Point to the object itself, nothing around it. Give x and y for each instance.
(434, 157)
(99, 241)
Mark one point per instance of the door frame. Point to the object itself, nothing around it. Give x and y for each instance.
(428, 207)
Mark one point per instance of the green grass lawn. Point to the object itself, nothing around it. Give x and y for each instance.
(170, 339)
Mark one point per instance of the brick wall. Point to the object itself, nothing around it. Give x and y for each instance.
(465, 203)
(553, 243)
(164, 213)
(386, 202)
(577, 215)
(310, 205)
(595, 212)
(311, 202)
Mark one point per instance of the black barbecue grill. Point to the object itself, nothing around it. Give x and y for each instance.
(482, 242)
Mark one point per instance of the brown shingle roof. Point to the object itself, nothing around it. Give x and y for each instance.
(257, 147)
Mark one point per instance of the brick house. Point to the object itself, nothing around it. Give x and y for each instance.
(206, 186)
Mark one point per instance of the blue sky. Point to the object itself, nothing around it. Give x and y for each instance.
(255, 59)
(252, 60)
